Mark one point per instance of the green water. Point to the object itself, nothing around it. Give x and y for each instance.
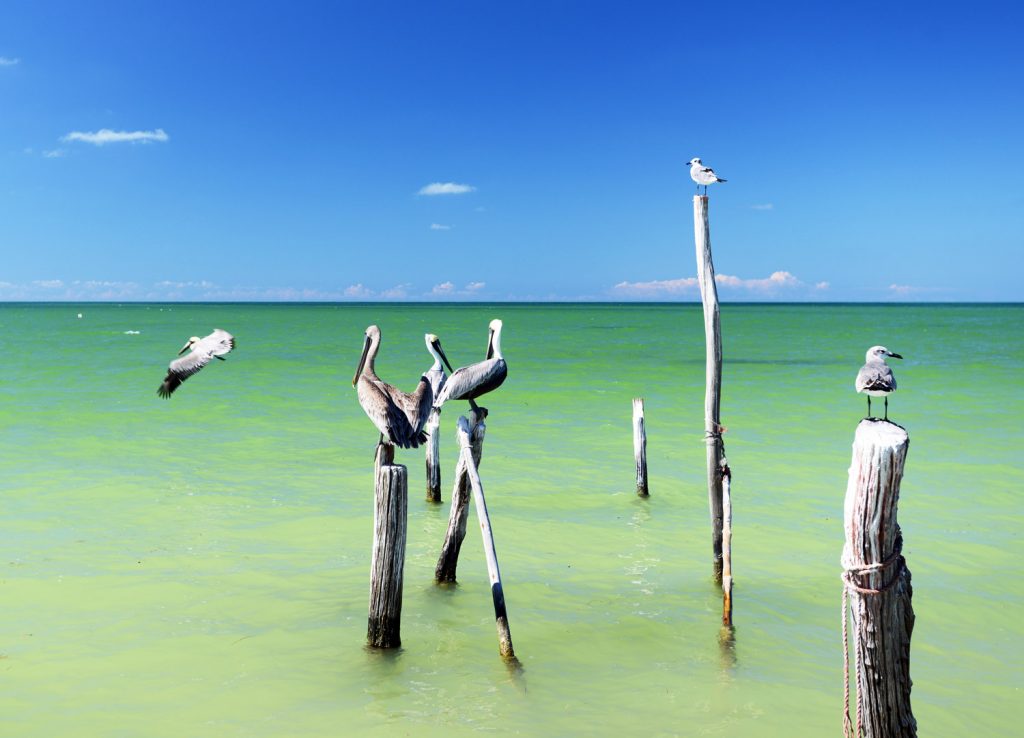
(199, 566)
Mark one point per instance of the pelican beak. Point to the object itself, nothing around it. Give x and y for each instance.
(490, 345)
(440, 352)
(895, 356)
(185, 348)
(362, 360)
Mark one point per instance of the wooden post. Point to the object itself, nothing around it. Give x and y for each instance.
(726, 545)
(497, 593)
(448, 561)
(877, 584)
(640, 446)
(713, 374)
(433, 465)
(387, 562)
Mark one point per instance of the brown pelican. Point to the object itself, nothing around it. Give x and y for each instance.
(435, 374)
(477, 379)
(875, 378)
(399, 416)
(213, 346)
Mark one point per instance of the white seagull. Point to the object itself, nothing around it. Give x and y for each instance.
(469, 382)
(703, 175)
(213, 346)
(875, 378)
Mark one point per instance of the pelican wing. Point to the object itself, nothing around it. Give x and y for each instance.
(471, 381)
(216, 344)
(417, 407)
(377, 399)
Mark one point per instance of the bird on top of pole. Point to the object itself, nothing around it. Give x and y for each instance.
(703, 175)
(875, 378)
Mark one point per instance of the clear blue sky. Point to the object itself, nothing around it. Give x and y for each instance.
(286, 150)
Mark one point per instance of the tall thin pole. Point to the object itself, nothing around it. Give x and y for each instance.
(713, 374)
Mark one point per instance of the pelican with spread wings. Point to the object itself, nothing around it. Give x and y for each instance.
(204, 350)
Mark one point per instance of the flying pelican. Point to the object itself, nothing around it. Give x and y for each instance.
(399, 416)
(469, 382)
(213, 346)
(703, 175)
(875, 378)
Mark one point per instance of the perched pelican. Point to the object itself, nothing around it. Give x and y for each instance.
(435, 374)
(469, 382)
(875, 378)
(213, 346)
(399, 416)
(703, 175)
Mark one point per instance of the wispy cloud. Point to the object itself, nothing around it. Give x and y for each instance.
(445, 288)
(763, 206)
(106, 136)
(780, 281)
(658, 287)
(907, 291)
(475, 286)
(54, 153)
(6, 61)
(449, 290)
(775, 281)
(358, 292)
(398, 292)
(440, 227)
(446, 188)
(49, 284)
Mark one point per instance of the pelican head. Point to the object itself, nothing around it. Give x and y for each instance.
(434, 347)
(494, 339)
(191, 342)
(878, 353)
(370, 343)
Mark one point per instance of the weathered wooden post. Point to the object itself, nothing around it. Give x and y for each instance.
(497, 592)
(387, 560)
(448, 561)
(713, 374)
(876, 581)
(726, 545)
(432, 454)
(640, 446)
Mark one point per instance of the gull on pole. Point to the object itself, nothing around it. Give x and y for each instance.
(703, 175)
(399, 416)
(474, 380)
(204, 350)
(875, 378)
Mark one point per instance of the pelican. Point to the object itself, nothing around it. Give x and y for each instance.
(399, 416)
(213, 346)
(875, 378)
(435, 374)
(469, 382)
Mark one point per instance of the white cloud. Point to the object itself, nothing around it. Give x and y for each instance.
(439, 227)
(445, 288)
(398, 292)
(777, 281)
(906, 290)
(821, 286)
(446, 188)
(54, 153)
(658, 286)
(105, 136)
(6, 61)
(358, 291)
(48, 284)
(764, 206)
(475, 286)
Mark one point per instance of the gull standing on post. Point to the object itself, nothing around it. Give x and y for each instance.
(703, 175)
(469, 382)
(875, 378)
(399, 416)
(213, 346)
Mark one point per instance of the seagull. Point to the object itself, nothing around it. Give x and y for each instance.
(703, 175)
(213, 346)
(399, 416)
(875, 378)
(469, 382)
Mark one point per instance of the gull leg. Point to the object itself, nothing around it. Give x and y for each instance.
(869, 405)
(887, 408)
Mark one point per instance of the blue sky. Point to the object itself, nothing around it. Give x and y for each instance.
(509, 151)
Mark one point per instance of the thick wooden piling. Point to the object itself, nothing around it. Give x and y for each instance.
(448, 561)
(713, 375)
(497, 591)
(640, 446)
(432, 454)
(726, 546)
(387, 560)
(877, 584)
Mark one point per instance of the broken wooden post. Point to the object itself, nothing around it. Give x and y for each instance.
(448, 561)
(726, 544)
(432, 454)
(640, 446)
(877, 585)
(713, 375)
(497, 593)
(387, 560)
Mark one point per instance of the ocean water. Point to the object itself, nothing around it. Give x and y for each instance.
(200, 566)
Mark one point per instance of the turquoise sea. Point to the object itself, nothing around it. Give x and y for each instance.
(200, 566)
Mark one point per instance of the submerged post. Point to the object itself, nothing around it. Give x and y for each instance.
(387, 560)
(726, 546)
(640, 446)
(876, 581)
(497, 593)
(448, 561)
(713, 374)
(432, 454)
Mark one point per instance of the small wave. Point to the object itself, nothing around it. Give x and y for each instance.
(132, 333)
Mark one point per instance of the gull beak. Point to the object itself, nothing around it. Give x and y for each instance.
(362, 360)
(440, 352)
(895, 356)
